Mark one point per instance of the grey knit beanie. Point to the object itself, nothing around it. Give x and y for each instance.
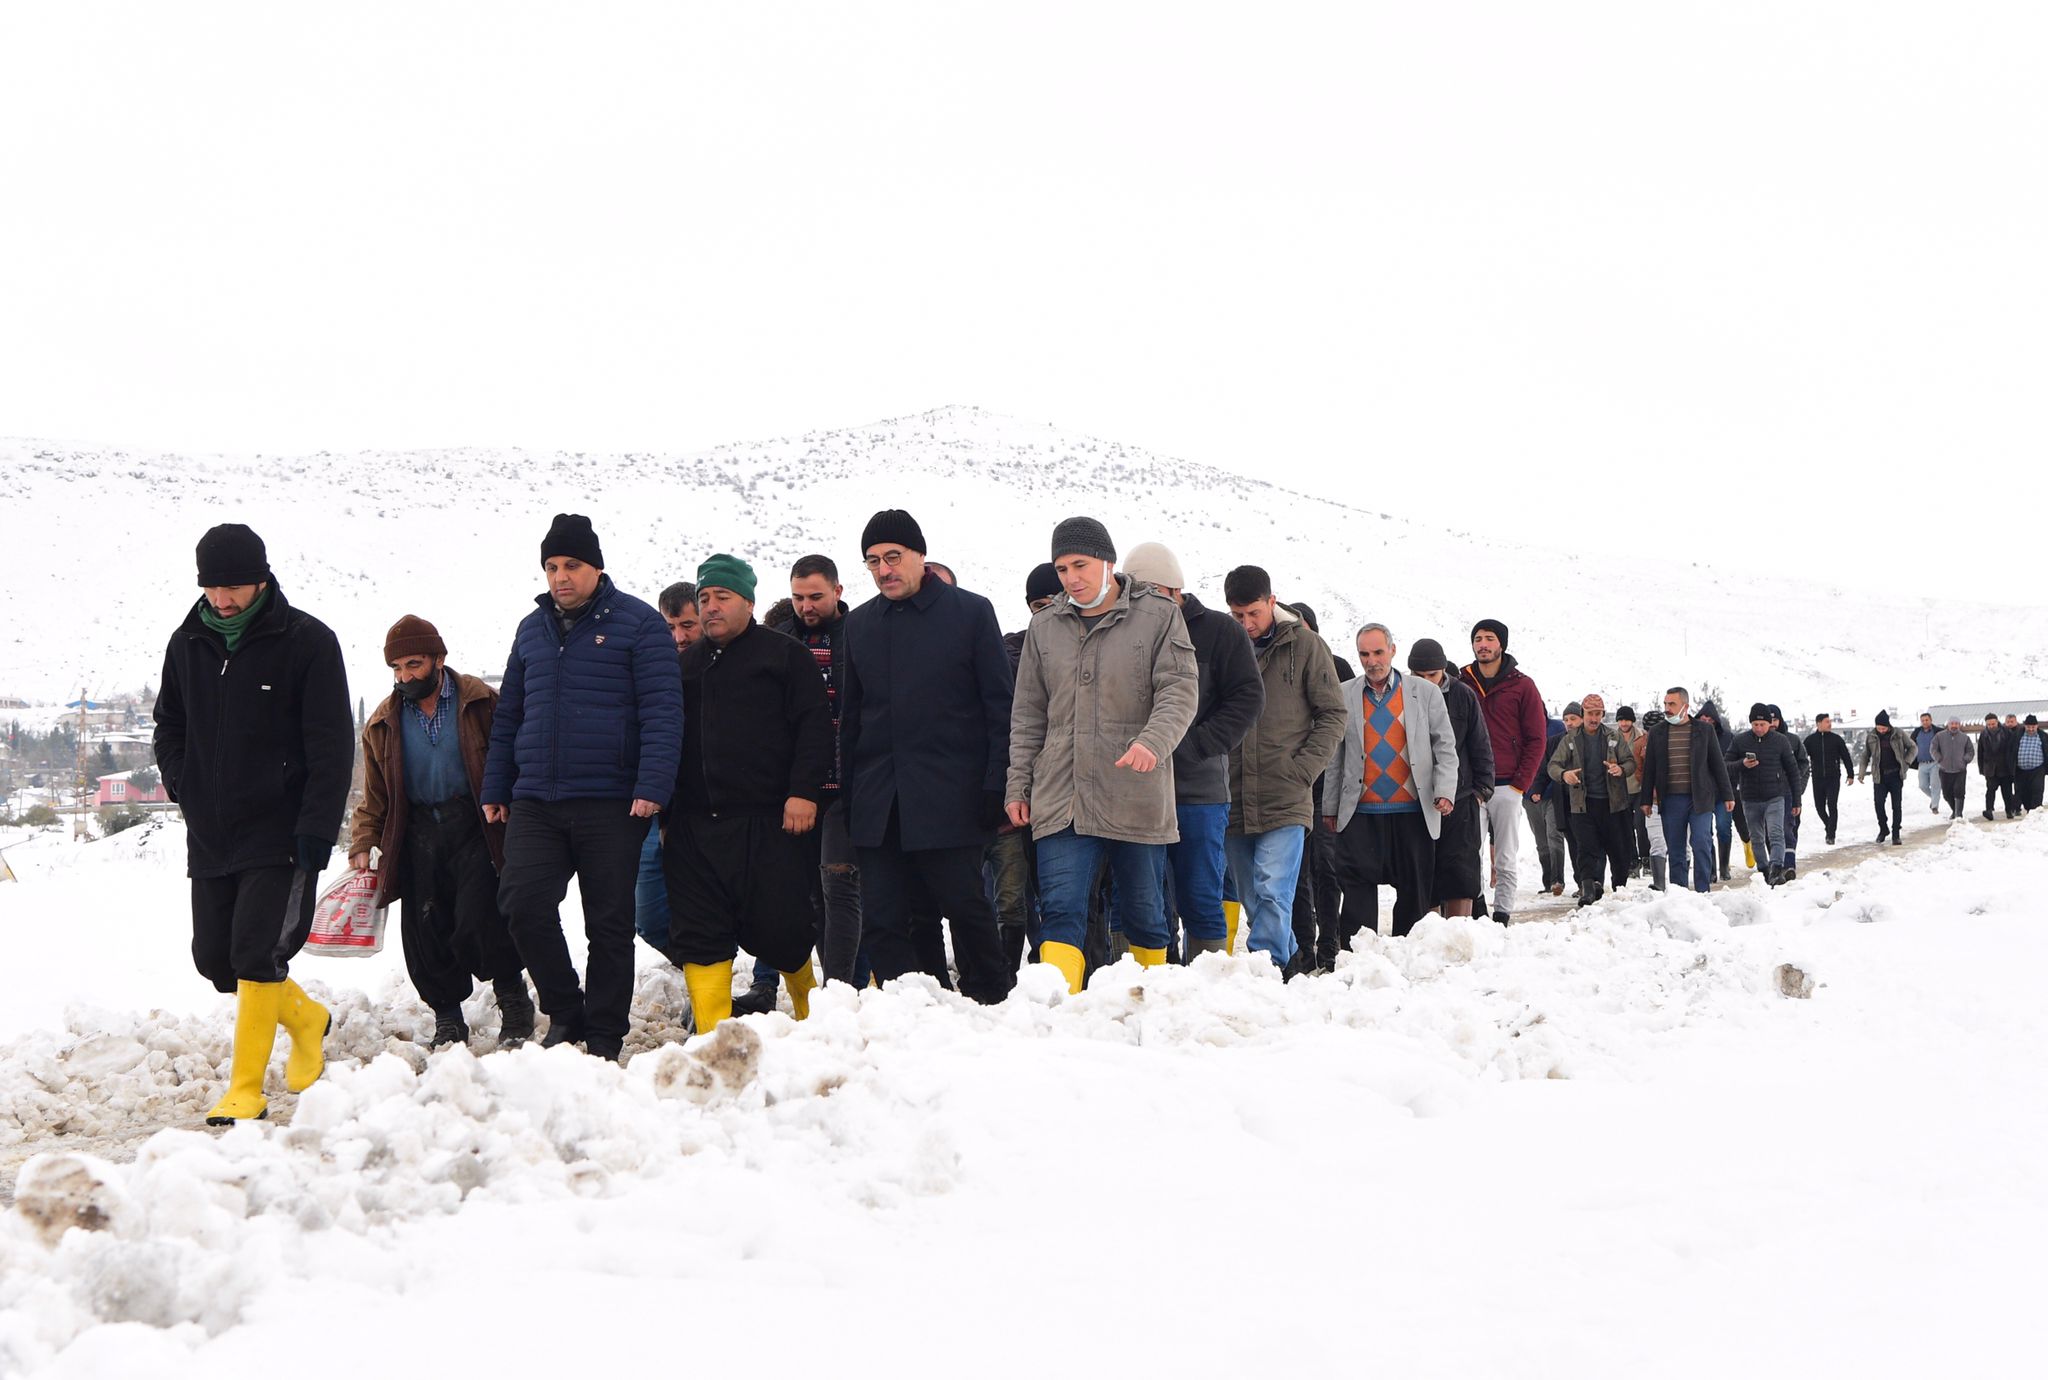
(1081, 536)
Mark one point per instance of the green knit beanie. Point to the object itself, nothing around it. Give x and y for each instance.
(727, 572)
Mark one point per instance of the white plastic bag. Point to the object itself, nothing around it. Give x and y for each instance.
(347, 921)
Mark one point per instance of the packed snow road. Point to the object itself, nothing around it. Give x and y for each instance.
(1617, 1143)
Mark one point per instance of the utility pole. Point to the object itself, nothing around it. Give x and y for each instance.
(78, 829)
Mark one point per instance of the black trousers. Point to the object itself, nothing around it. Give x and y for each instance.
(2030, 787)
(1827, 801)
(1605, 840)
(1329, 894)
(247, 925)
(1890, 788)
(1954, 787)
(1394, 850)
(598, 843)
(449, 923)
(738, 881)
(1991, 789)
(950, 879)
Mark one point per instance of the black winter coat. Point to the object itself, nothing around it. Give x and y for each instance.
(1991, 754)
(258, 746)
(924, 725)
(1776, 772)
(1709, 766)
(756, 727)
(1475, 748)
(1828, 756)
(1232, 694)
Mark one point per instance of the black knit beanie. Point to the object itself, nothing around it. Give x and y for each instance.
(1492, 625)
(893, 525)
(1759, 710)
(1082, 536)
(1884, 719)
(232, 554)
(1042, 583)
(571, 536)
(1427, 656)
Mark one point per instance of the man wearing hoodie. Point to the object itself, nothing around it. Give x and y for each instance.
(1827, 752)
(1274, 767)
(1106, 690)
(1887, 760)
(1953, 753)
(1517, 730)
(1230, 695)
(255, 742)
(1685, 775)
(1766, 769)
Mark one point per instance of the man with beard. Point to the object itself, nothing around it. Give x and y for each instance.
(423, 769)
(255, 742)
(1517, 729)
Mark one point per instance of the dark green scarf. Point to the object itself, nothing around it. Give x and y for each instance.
(233, 629)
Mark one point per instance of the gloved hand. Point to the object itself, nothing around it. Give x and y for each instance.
(310, 852)
(992, 815)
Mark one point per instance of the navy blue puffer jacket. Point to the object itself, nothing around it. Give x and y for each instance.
(595, 716)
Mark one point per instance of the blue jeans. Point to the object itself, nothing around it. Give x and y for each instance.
(1197, 863)
(1066, 876)
(1930, 782)
(650, 893)
(1682, 824)
(1787, 858)
(1766, 830)
(1266, 868)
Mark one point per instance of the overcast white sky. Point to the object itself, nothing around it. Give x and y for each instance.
(1454, 260)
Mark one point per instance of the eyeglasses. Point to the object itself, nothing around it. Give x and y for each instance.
(891, 558)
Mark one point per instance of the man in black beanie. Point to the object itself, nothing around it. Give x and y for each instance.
(584, 748)
(924, 735)
(255, 742)
(1518, 730)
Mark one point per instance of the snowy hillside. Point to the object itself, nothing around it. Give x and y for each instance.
(454, 535)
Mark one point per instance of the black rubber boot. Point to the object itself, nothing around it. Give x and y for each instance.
(759, 999)
(516, 1009)
(449, 1028)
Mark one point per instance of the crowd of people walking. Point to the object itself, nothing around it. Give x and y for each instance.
(1133, 773)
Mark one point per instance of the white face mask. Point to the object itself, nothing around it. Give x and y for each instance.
(1674, 718)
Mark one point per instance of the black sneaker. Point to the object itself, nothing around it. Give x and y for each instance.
(1788, 874)
(1882, 835)
(449, 1028)
(603, 1049)
(1895, 837)
(1503, 918)
(565, 1029)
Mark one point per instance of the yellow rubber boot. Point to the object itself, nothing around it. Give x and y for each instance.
(710, 987)
(1748, 855)
(256, 1005)
(799, 982)
(1232, 914)
(307, 1022)
(1068, 959)
(1149, 958)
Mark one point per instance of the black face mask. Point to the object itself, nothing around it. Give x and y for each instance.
(425, 688)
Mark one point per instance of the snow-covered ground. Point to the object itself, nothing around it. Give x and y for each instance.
(1602, 1143)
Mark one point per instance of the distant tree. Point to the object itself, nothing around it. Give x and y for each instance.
(146, 779)
(39, 817)
(106, 758)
